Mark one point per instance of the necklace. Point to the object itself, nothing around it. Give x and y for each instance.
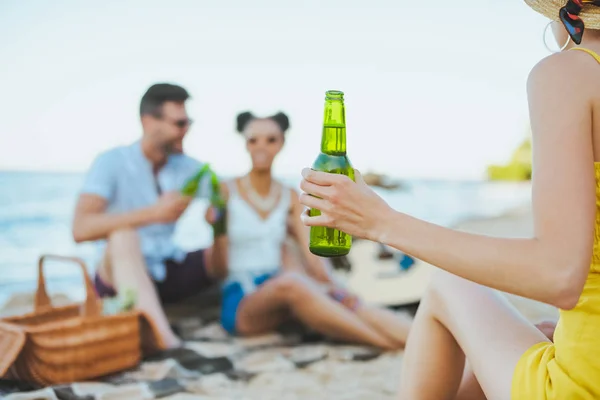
(264, 204)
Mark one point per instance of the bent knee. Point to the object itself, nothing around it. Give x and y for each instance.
(440, 285)
(241, 326)
(445, 287)
(293, 285)
(442, 281)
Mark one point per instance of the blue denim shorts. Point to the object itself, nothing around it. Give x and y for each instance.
(233, 293)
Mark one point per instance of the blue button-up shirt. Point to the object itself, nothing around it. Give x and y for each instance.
(124, 177)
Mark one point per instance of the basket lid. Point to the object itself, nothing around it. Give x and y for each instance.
(12, 340)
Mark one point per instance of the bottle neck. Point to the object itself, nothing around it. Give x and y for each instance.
(333, 139)
(216, 198)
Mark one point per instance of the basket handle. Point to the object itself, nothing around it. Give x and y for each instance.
(91, 306)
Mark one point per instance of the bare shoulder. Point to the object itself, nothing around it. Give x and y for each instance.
(565, 72)
(561, 93)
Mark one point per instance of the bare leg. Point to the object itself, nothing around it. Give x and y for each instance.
(124, 268)
(431, 351)
(458, 318)
(470, 389)
(264, 309)
(469, 386)
(392, 325)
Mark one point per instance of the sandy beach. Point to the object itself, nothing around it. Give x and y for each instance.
(283, 366)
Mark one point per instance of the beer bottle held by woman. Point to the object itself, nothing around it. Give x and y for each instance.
(329, 242)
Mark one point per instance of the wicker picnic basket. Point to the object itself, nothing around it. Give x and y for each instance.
(70, 343)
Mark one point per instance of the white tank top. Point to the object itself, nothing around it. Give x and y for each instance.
(255, 244)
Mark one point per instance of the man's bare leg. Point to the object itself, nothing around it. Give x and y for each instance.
(124, 268)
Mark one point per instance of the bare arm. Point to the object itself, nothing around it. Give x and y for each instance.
(218, 258)
(92, 222)
(315, 266)
(553, 265)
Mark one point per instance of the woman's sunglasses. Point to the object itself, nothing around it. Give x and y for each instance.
(569, 16)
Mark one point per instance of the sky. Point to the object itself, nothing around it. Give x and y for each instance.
(434, 89)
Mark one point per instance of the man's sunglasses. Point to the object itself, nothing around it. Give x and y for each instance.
(569, 16)
(180, 123)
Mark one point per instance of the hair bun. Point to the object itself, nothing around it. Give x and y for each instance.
(282, 120)
(243, 119)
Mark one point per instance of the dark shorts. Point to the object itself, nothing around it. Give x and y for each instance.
(183, 279)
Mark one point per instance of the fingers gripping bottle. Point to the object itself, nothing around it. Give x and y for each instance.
(191, 186)
(329, 242)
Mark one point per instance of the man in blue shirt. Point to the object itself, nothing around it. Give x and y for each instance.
(129, 204)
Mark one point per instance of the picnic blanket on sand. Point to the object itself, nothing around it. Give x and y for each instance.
(214, 365)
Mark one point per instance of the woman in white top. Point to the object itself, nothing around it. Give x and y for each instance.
(264, 287)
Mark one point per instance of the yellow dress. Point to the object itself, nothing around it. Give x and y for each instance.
(569, 368)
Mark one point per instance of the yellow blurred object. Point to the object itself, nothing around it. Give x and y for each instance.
(519, 167)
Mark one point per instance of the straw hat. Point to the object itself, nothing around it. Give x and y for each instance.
(590, 14)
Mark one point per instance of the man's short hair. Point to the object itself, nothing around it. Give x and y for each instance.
(158, 94)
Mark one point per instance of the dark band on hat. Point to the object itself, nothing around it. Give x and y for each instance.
(569, 16)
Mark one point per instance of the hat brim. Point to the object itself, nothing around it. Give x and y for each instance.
(590, 14)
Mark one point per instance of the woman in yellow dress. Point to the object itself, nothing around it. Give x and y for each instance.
(461, 320)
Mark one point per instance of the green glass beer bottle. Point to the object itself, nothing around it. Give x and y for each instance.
(190, 188)
(218, 202)
(329, 242)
